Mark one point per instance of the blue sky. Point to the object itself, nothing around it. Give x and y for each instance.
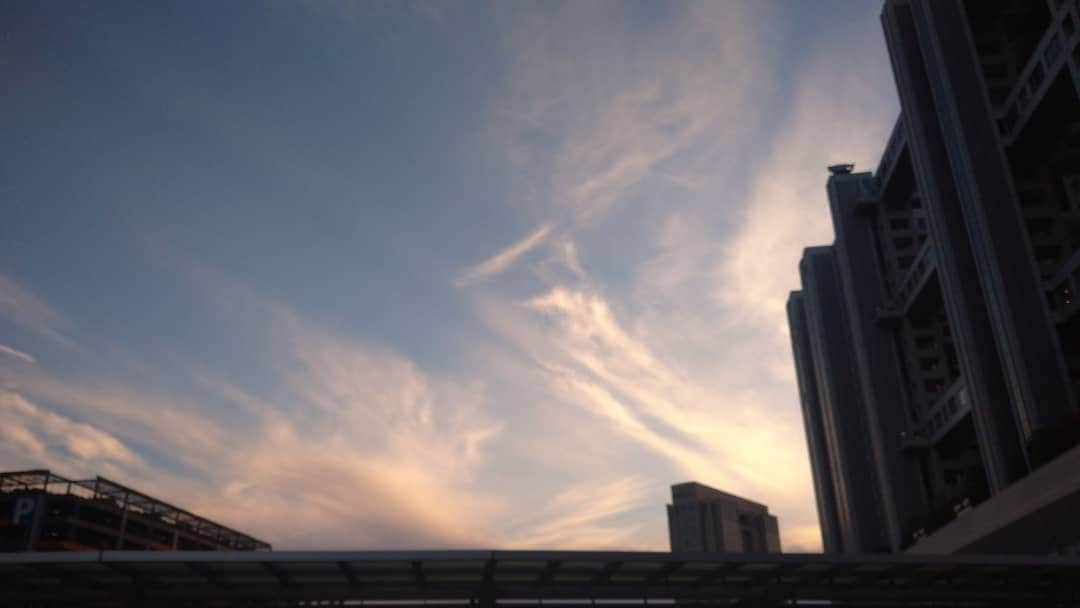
(389, 274)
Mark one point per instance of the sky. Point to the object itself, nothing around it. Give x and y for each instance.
(379, 275)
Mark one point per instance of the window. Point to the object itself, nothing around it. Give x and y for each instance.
(1040, 225)
(747, 540)
(995, 71)
(1047, 253)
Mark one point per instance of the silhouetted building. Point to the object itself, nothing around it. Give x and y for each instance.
(835, 419)
(40, 511)
(706, 520)
(940, 347)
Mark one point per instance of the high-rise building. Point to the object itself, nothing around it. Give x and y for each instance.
(937, 341)
(705, 520)
(40, 511)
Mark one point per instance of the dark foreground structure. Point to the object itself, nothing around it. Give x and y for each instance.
(40, 511)
(937, 341)
(570, 579)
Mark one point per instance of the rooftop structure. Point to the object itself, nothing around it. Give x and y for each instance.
(40, 511)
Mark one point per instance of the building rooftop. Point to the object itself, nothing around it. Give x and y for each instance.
(106, 493)
(695, 491)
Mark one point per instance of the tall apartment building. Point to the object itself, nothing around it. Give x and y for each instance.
(937, 341)
(705, 520)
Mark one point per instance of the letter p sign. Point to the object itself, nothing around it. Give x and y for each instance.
(24, 510)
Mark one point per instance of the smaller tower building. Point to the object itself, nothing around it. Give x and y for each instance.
(705, 520)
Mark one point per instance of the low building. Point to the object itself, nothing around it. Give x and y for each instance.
(40, 511)
(705, 520)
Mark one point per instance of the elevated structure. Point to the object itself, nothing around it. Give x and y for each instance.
(40, 511)
(570, 579)
(954, 320)
(704, 519)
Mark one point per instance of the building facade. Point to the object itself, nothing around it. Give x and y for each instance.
(40, 511)
(950, 309)
(705, 520)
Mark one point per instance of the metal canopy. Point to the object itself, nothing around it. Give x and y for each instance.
(511, 578)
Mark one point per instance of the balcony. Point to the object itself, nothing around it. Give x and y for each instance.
(888, 315)
(950, 408)
(1048, 59)
(893, 149)
(922, 267)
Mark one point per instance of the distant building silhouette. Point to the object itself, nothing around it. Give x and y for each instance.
(937, 341)
(40, 511)
(704, 519)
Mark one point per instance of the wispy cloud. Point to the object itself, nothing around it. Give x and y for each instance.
(692, 361)
(723, 429)
(787, 209)
(18, 354)
(34, 436)
(587, 119)
(584, 516)
(503, 259)
(354, 442)
(706, 429)
(26, 309)
(657, 150)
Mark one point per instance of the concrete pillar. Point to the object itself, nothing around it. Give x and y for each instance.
(879, 376)
(1031, 357)
(824, 485)
(843, 415)
(1000, 447)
